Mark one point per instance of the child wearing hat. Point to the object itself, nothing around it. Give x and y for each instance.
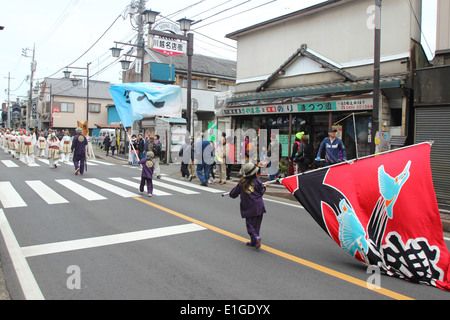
(148, 166)
(251, 190)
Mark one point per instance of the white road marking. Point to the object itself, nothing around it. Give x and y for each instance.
(112, 188)
(192, 185)
(26, 278)
(80, 190)
(9, 163)
(72, 245)
(46, 193)
(9, 196)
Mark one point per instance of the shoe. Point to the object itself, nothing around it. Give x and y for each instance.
(258, 242)
(159, 177)
(77, 171)
(204, 183)
(191, 177)
(149, 195)
(250, 244)
(141, 192)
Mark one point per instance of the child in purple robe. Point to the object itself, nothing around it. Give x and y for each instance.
(148, 167)
(251, 190)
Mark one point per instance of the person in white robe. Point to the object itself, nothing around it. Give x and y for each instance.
(65, 148)
(28, 148)
(53, 149)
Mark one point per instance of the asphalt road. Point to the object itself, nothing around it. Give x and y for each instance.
(93, 236)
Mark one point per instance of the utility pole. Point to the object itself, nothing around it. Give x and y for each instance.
(30, 97)
(8, 107)
(376, 75)
(140, 39)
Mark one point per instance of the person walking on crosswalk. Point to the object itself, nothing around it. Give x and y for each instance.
(148, 167)
(78, 148)
(54, 146)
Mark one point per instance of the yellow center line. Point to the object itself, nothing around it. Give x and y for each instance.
(312, 265)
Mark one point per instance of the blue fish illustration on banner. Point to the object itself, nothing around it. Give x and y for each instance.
(134, 101)
(382, 211)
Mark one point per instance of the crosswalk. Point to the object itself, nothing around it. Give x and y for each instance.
(42, 162)
(15, 194)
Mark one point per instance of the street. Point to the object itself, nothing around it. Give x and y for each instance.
(93, 236)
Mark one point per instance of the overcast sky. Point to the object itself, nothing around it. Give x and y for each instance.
(62, 30)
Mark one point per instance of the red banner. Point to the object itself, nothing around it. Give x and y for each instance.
(382, 210)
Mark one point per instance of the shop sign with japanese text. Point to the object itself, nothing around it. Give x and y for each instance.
(326, 106)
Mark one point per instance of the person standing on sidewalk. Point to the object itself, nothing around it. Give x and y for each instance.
(78, 148)
(203, 161)
(157, 151)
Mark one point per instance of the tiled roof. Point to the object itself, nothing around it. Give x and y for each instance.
(64, 87)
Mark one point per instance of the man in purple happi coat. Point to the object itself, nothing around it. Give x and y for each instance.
(79, 144)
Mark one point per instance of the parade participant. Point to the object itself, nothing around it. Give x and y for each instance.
(42, 144)
(28, 149)
(333, 148)
(53, 146)
(147, 173)
(21, 146)
(251, 190)
(6, 141)
(12, 144)
(78, 148)
(65, 147)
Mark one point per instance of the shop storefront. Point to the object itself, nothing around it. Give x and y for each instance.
(314, 118)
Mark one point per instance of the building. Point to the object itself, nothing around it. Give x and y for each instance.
(61, 104)
(432, 106)
(314, 68)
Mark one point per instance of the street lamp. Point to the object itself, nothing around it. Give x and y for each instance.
(75, 83)
(115, 52)
(149, 16)
(185, 24)
(125, 64)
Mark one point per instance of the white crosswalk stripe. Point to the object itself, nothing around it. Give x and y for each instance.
(112, 188)
(9, 197)
(46, 193)
(80, 190)
(10, 163)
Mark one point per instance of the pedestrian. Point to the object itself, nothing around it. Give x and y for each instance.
(203, 161)
(221, 155)
(295, 156)
(113, 145)
(157, 151)
(148, 168)
(78, 148)
(231, 156)
(334, 149)
(107, 144)
(54, 147)
(191, 166)
(212, 166)
(306, 154)
(134, 150)
(251, 191)
(185, 154)
(141, 150)
(274, 155)
(248, 153)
